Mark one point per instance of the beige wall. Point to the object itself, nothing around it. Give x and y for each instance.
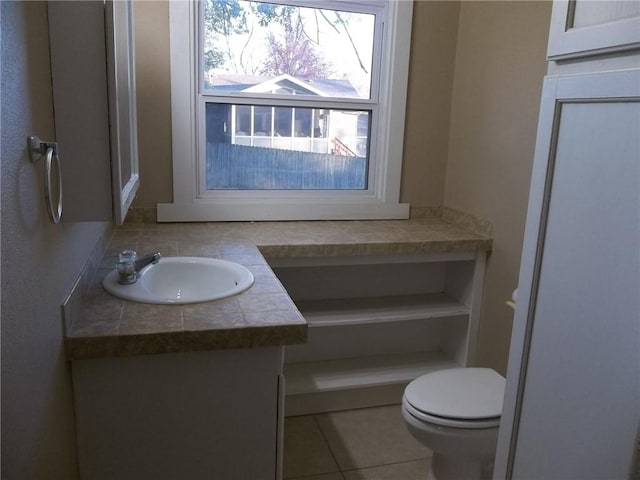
(154, 103)
(433, 53)
(500, 64)
(40, 262)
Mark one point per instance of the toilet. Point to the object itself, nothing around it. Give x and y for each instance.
(456, 413)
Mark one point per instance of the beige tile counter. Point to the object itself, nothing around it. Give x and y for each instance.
(264, 315)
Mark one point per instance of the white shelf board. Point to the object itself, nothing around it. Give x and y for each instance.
(355, 311)
(324, 261)
(379, 370)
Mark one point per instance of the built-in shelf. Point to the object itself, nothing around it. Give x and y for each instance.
(285, 262)
(362, 372)
(376, 323)
(357, 311)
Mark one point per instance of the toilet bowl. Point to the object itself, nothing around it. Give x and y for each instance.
(456, 413)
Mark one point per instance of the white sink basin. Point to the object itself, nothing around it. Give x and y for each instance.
(175, 280)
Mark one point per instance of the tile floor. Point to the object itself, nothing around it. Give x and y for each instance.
(364, 444)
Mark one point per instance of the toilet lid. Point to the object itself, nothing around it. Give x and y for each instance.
(458, 393)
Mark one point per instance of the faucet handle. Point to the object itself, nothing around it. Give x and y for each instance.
(125, 255)
(126, 267)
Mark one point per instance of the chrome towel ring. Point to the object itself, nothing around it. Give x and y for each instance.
(52, 188)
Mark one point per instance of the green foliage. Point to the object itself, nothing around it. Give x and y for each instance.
(213, 59)
(225, 17)
(285, 15)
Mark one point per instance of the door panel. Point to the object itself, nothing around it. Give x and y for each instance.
(572, 402)
(581, 28)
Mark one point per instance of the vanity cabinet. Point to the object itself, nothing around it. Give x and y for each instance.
(191, 415)
(376, 323)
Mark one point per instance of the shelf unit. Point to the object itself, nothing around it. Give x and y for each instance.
(362, 372)
(397, 308)
(376, 323)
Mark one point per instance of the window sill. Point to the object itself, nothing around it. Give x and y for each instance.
(277, 209)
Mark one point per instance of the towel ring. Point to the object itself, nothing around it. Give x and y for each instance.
(53, 208)
(52, 189)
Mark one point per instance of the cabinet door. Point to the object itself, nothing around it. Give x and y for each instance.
(122, 106)
(586, 27)
(185, 415)
(81, 109)
(93, 80)
(572, 401)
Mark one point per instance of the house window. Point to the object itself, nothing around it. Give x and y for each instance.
(285, 148)
(290, 109)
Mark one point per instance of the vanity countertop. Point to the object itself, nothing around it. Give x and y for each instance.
(264, 315)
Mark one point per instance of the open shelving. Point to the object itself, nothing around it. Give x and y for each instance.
(362, 372)
(395, 308)
(376, 324)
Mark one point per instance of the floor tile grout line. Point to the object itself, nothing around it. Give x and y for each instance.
(328, 443)
(384, 465)
(315, 475)
(334, 470)
(350, 469)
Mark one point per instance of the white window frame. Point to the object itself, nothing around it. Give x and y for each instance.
(379, 201)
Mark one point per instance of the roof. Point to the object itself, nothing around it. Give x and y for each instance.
(255, 83)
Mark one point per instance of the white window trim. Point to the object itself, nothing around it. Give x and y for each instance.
(380, 201)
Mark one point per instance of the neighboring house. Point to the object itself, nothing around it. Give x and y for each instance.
(326, 131)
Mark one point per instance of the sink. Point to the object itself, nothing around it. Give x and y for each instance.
(177, 280)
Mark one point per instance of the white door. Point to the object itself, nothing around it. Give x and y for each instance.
(572, 403)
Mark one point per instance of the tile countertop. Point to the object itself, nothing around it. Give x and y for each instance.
(264, 315)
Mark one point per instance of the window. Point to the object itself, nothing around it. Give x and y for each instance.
(287, 109)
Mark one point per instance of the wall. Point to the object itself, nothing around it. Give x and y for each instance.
(500, 65)
(154, 103)
(40, 262)
(433, 53)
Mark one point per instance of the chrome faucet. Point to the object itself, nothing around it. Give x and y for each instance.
(129, 265)
(147, 260)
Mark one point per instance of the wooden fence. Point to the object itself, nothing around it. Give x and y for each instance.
(257, 168)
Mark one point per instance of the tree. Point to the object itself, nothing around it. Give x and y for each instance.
(223, 18)
(292, 42)
(213, 59)
(295, 55)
